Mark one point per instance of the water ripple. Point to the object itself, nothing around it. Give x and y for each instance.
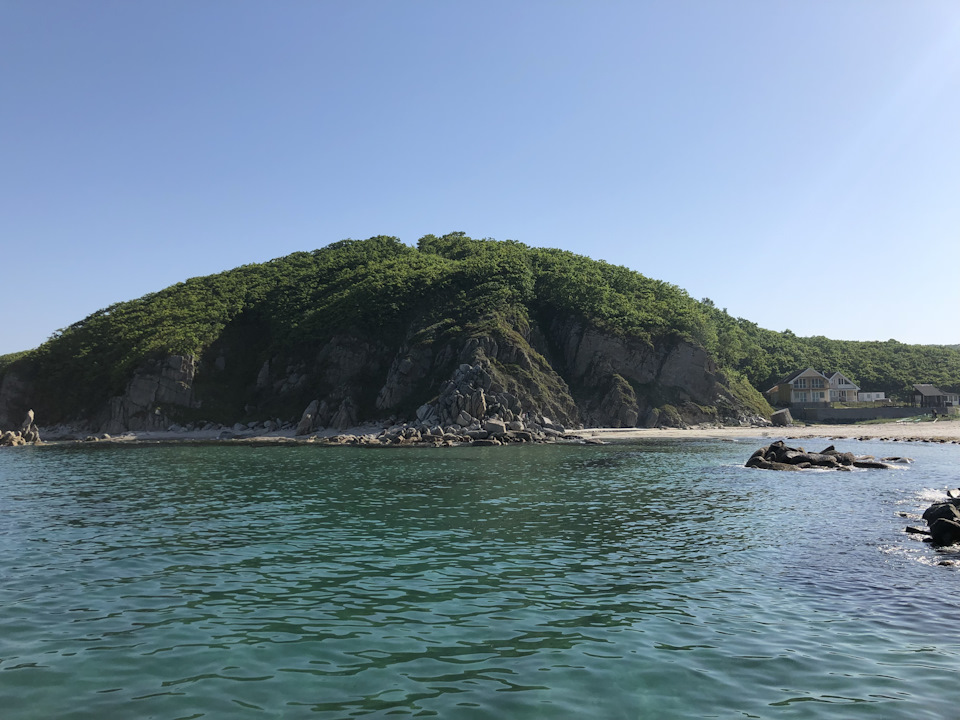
(660, 579)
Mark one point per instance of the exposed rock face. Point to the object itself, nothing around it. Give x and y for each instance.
(526, 376)
(156, 387)
(308, 420)
(623, 383)
(408, 370)
(346, 415)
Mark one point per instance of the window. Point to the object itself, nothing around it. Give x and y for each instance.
(801, 396)
(816, 382)
(800, 383)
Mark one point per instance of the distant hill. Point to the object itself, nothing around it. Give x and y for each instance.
(375, 329)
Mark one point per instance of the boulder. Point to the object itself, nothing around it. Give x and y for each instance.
(495, 427)
(27, 422)
(945, 532)
(946, 511)
(782, 418)
(777, 456)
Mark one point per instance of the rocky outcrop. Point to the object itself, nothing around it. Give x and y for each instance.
(374, 330)
(567, 375)
(27, 434)
(943, 521)
(777, 456)
(157, 387)
(411, 366)
(500, 380)
(624, 382)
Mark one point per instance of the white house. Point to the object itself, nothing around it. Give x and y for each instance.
(842, 388)
(870, 397)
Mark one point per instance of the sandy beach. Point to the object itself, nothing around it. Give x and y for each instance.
(903, 431)
(941, 431)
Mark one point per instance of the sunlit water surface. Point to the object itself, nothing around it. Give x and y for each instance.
(653, 580)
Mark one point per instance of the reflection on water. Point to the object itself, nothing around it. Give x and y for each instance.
(650, 580)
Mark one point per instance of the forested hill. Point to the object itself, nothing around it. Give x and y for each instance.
(765, 356)
(376, 328)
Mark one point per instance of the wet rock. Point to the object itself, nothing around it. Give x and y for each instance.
(871, 465)
(937, 511)
(778, 456)
(945, 532)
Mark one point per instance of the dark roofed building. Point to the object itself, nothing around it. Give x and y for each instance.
(929, 396)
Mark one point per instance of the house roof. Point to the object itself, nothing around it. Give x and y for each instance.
(833, 374)
(791, 377)
(928, 390)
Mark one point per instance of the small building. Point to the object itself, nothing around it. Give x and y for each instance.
(871, 397)
(842, 388)
(804, 386)
(929, 396)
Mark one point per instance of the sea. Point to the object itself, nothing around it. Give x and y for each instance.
(653, 579)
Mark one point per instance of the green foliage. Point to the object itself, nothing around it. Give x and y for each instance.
(9, 359)
(764, 357)
(617, 299)
(748, 396)
(382, 290)
(670, 417)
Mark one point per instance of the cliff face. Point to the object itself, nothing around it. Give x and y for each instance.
(158, 388)
(591, 378)
(627, 383)
(453, 332)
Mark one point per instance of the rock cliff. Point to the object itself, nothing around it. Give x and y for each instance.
(456, 333)
(159, 389)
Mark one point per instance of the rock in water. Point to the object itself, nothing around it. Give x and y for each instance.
(945, 532)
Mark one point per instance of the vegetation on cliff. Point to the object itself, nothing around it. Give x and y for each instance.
(367, 305)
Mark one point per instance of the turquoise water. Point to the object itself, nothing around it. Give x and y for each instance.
(625, 581)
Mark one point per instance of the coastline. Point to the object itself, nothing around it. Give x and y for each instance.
(941, 431)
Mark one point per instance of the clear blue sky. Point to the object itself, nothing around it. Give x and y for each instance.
(796, 162)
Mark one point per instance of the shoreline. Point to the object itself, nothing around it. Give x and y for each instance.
(940, 431)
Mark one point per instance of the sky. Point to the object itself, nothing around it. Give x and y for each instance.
(798, 163)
